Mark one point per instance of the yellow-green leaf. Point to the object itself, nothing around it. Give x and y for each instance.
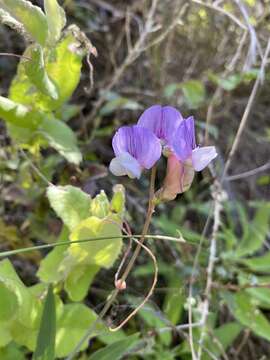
(56, 19)
(29, 16)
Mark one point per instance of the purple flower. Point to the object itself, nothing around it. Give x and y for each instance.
(162, 121)
(135, 148)
(185, 148)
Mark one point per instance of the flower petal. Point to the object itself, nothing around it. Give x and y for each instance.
(125, 164)
(139, 142)
(162, 121)
(184, 139)
(201, 157)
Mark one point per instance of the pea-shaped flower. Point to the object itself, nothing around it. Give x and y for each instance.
(163, 121)
(184, 159)
(186, 150)
(135, 148)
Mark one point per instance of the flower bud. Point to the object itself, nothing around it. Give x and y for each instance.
(179, 177)
(120, 284)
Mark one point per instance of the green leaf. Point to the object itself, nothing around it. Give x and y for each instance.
(78, 281)
(224, 336)
(49, 266)
(101, 253)
(119, 103)
(258, 264)
(260, 295)
(62, 65)
(56, 19)
(12, 284)
(7, 19)
(46, 337)
(74, 321)
(248, 314)
(56, 133)
(118, 200)
(61, 138)
(35, 70)
(194, 93)
(5, 336)
(258, 230)
(70, 203)
(170, 89)
(8, 304)
(29, 16)
(100, 205)
(116, 350)
(22, 326)
(174, 300)
(11, 352)
(156, 320)
(19, 115)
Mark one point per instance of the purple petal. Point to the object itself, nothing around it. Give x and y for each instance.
(162, 121)
(125, 164)
(139, 142)
(184, 139)
(201, 157)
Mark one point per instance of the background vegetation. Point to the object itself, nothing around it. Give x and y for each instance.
(70, 77)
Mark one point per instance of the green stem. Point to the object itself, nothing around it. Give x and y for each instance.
(61, 243)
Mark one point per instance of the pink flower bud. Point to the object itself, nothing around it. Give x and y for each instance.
(120, 284)
(178, 178)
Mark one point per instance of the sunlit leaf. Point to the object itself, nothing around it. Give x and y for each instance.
(30, 16)
(56, 19)
(100, 205)
(19, 115)
(99, 252)
(70, 203)
(118, 200)
(62, 65)
(71, 327)
(35, 70)
(78, 281)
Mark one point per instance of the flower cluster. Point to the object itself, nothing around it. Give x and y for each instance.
(161, 129)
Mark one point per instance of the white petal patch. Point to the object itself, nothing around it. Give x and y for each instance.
(125, 164)
(202, 156)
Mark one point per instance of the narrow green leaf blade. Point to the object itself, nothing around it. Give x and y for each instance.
(116, 350)
(30, 16)
(46, 338)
